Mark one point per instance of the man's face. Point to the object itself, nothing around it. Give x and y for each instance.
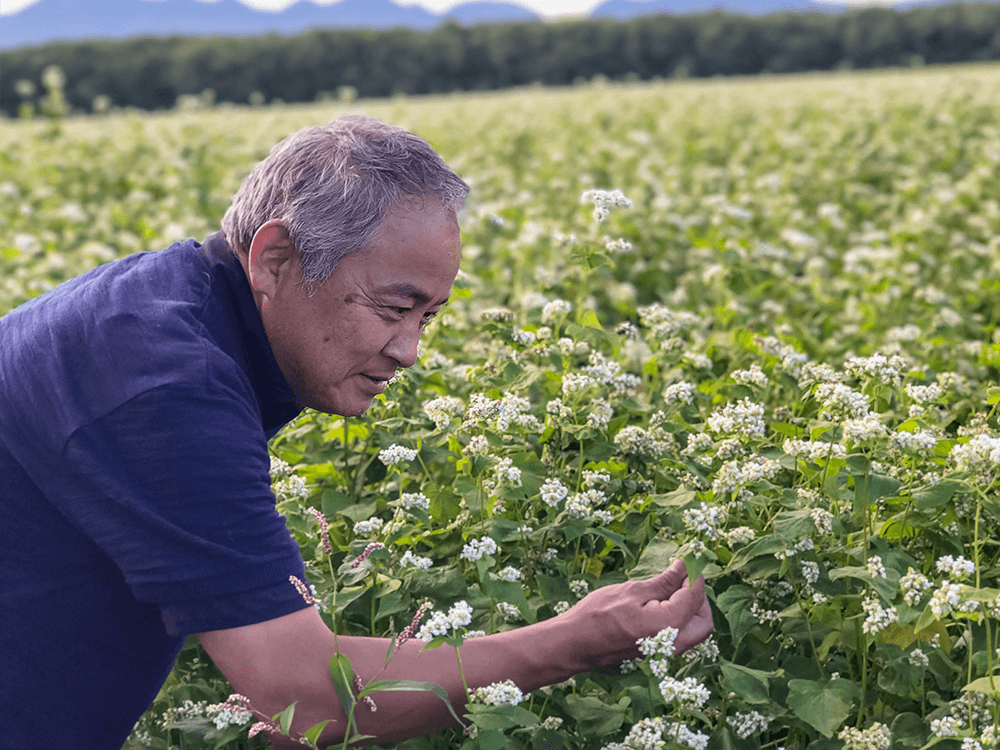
(338, 345)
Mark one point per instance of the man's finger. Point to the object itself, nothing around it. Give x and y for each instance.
(664, 585)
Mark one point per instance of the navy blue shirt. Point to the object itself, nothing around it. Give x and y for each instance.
(136, 402)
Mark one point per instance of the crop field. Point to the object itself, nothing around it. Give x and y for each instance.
(773, 353)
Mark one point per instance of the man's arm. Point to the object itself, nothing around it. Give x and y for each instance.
(284, 660)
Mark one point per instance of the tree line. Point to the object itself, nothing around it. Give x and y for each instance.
(157, 73)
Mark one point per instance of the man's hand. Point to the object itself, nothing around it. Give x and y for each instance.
(287, 659)
(608, 622)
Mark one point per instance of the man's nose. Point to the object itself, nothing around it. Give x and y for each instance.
(403, 346)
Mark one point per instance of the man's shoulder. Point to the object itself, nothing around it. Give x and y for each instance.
(125, 328)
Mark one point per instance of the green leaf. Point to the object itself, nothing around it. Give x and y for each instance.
(284, 719)
(735, 604)
(824, 706)
(749, 684)
(936, 495)
(988, 685)
(312, 734)
(594, 717)
(909, 730)
(342, 673)
(407, 686)
(500, 717)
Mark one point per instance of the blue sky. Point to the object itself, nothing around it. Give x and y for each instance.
(545, 8)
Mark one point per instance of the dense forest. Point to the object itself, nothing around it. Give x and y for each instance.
(158, 73)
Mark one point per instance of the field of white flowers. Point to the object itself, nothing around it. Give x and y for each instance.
(774, 353)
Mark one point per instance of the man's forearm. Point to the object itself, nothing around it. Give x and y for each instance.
(531, 656)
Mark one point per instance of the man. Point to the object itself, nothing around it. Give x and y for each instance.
(136, 402)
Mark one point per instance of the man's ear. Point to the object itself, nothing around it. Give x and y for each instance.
(271, 256)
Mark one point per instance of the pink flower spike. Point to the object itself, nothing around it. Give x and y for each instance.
(368, 550)
(407, 632)
(260, 726)
(324, 531)
(303, 591)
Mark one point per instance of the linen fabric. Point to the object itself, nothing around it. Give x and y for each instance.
(136, 402)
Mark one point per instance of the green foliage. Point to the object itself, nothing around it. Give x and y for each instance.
(193, 73)
(774, 364)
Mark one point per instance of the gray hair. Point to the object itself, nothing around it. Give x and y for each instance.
(333, 185)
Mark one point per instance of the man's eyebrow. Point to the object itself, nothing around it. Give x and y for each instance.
(405, 289)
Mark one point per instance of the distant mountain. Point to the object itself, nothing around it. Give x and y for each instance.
(468, 14)
(624, 9)
(52, 20)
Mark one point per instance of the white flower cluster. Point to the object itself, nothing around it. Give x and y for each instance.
(649, 734)
(745, 418)
(842, 401)
(924, 394)
(581, 504)
(688, 693)
(603, 200)
(477, 549)
(576, 382)
(946, 598)
(665, 322)
(579, 588)
(558, 409)
(733, 475)
(678, 393)
(740, 535)
(508, 611)
(600, 413)
(697, 360)
(815, 450)
(706, 520)
(292, 486)
(919, 441)
(497, 314)
(504, 693)
(417, 561)
(746, 723)
(878, 617)
(440, 623)
(661, 644)
(878, 366)
(913, 585)
(507, 472)
(395, 454)
(509, 573)
(555, 309)
(867, 427)
(791, 360)
(753, 376)
(810, 571)
(224, 716)
(553, 491)
(876, 737)
(410, 500)
(501, 412)
(979, 455)
(279, 468)
(617, 245)
(523, 337)
(368, 527)
(918, 658)
(637, 441)
(957, 567)
(442, 409)
(823, 519)
(478, 445)
(876, 568)
(946, 726)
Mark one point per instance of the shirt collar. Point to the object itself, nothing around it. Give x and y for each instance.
(277, 402)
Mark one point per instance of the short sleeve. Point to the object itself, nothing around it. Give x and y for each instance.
(173, 485)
